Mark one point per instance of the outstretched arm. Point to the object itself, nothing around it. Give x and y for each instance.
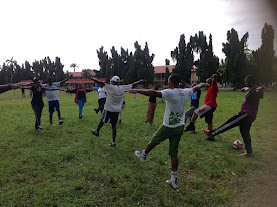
(63, 81)
(101, 83)
(260, 92)
(4, 88)
(200, 85)
(138, 82)
(146, 92)
(185, 84)
(214, 78)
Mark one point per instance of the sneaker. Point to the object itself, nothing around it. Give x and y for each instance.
(140, 155)
(40, 127)
(61, 121)
(210, 138)
(206, 131)
(246, 155)
(174, 184)
(190, 127)
(96, 111)
(112, 144)
(95, 133)
(80, 117)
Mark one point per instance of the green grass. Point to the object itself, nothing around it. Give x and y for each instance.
(65, 165)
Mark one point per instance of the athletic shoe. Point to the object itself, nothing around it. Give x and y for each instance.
(174, 184)
(246, 155)
(210, 138)
(190, 127)
(80, 117)
(40, 127)
(112, 144)
(95, 133)
(61, 121)
(96, 111)
(206, 131)
(140, 155)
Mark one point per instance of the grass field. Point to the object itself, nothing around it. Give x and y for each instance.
(64, 165)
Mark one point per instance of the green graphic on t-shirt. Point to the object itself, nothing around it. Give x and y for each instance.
(175, 118)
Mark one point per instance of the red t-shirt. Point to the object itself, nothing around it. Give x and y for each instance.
(210, 98)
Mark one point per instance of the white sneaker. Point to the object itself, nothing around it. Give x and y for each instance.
(174, 184)
(140, 156)
(61, 121)
(40, 127)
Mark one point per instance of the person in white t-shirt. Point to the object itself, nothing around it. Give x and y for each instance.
(51, 92)
(101, 98)
(173, 121)
(115, 94)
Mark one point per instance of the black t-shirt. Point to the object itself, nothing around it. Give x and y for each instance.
(37, 96)
(81, 94)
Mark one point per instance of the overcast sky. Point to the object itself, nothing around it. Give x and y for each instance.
(73, 30)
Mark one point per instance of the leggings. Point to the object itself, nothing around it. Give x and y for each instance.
(244, 122)
(37, 109)
(81, 103)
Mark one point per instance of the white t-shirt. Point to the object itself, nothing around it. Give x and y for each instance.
(176, 99)
(101, 93)
(115, 95)
(52, 95)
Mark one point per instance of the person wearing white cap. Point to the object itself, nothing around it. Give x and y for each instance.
(115, 94)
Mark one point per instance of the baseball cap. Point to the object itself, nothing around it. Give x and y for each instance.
(115, 79)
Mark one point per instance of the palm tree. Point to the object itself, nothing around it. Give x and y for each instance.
(11, 64)
(74, 65)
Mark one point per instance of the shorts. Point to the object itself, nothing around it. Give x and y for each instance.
(173, 134)
(52, 105)
(108, 115)
(189, 112)
(207, 112)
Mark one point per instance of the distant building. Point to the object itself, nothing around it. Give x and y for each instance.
(78, 77)
(159, 74)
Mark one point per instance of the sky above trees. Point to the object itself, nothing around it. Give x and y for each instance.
(74, 30)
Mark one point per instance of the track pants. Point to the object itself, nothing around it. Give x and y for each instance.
(101, 104)
(37, 109)
(244, 122)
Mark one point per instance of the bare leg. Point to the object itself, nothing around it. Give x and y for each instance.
(174, 163)
(59, 114)
(149, 147)
(194, 117)
(210, 126)
(114, 131)
(100, 126)
(51, 118)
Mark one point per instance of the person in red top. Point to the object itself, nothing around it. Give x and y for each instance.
(209, 106)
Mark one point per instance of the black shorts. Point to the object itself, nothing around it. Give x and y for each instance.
(108, 115)
(209, 115)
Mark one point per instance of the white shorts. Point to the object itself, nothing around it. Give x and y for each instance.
(202, 110)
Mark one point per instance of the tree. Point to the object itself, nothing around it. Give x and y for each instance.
(264, 56)
(183, 55)
(103, 63)
(12, 64)
(73, 65)
(208, 63)
(234, 50)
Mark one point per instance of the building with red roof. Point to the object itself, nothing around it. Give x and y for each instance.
(79, 77)
(159, 74)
